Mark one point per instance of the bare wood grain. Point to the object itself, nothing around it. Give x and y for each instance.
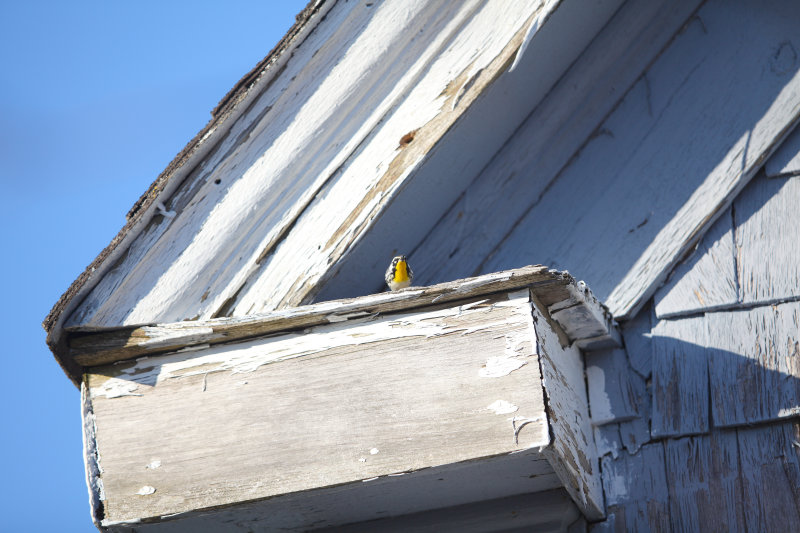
(705, 492)
(680, 377)
(636, 492)
(706, 280)
(768, 240)
(770, 466)
(638, 344)
(754, 364)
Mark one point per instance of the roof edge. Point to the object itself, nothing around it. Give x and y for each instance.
(227, 108)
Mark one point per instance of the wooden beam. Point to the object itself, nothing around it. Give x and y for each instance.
(579, 313)
(403, 412)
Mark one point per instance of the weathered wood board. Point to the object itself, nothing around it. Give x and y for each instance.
(580, 317)
(705, 492)
(544, 512)
(638, 345)
(572, 453)
(768, 240)
(677, 149)
(455, 386)
(786, 159)
(770, 467)
(680, 377)
(636, 492)
(521, 172)
(754, 364)
(707, 279)
(636, 432)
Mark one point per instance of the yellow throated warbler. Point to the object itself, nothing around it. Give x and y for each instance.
(399, 274)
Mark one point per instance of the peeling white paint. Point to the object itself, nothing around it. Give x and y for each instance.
(146, 490)
(249, 355)
(155, 463)
(519, 422)
(616, 486)
(115, 388)
(374, 451)
(499, 366)
(599, 400)
(791, 411)
(502, 407)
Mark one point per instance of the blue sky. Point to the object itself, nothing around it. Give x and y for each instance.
(96, 98)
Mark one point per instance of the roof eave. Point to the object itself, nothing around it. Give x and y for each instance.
(222, 117)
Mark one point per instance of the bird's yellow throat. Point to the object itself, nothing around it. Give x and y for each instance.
(401, 272)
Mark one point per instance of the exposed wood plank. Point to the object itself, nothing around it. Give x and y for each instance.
(786, 159)
(572, 454)
(543, 512)
(705, 492)
(680, 377)
(636, 491)
(638, 345)
(754, 364)
(520, 173)
(636, 432)
(706, 280)
(582, 317)
(767, 243)
(337, 405)
(95, 346)
(671, 157)
(612, 386)
(770, 469)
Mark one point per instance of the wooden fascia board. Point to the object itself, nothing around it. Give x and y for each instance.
(454, 393)
(579, 316)
(151, 203)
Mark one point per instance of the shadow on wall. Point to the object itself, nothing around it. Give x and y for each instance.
(725, 369)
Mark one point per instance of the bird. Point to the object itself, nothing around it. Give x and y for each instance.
(399, 274)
